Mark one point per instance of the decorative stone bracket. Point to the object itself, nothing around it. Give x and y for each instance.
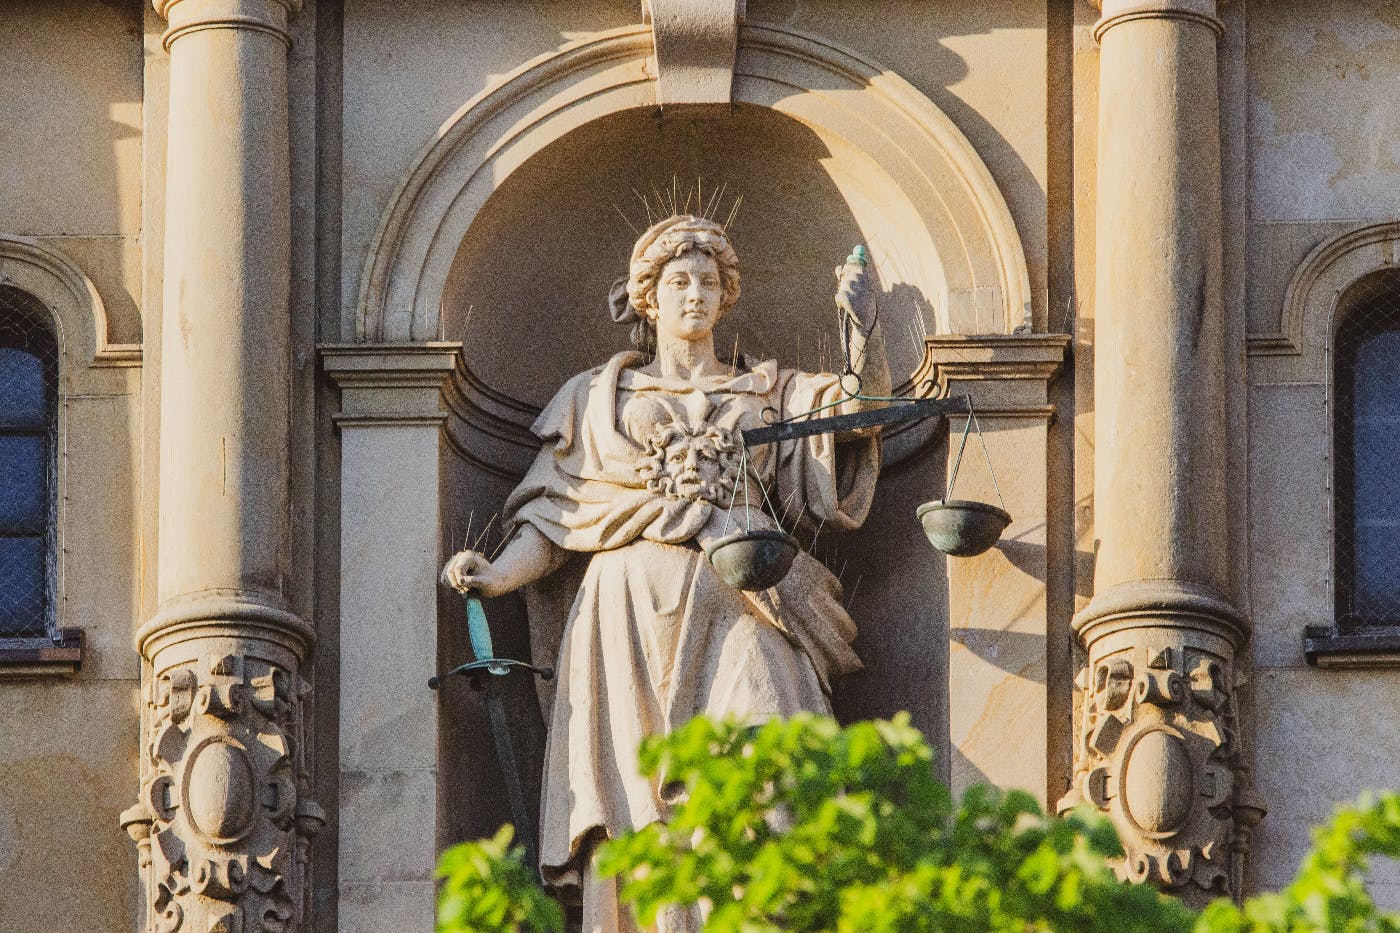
(696, 44)
(1158, 746)
(223, 822)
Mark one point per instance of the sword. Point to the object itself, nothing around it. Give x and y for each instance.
(484, 674)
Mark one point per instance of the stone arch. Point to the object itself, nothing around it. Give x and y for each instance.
(960, 222)
(79, 315)
(1301, 349)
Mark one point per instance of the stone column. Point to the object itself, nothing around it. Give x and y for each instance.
(1157, 744)
(390, 424)
(223, 819)
(998, 606)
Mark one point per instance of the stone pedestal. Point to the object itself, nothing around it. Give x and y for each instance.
(997, 601)
(223, 820)
(390, 426)
(1157, 746)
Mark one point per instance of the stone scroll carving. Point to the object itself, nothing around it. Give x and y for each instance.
(224, 822)
(1158, 750)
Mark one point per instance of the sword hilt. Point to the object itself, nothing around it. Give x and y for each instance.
(486, 661)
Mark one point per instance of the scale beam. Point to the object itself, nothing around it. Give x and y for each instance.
(891, 414)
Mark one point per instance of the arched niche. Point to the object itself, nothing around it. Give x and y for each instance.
(948, 228)
(514, 221)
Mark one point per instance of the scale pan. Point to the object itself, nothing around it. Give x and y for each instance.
(961, 527)
(753, 560)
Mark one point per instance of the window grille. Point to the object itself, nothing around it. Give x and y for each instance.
(1367, 455)
(28, 468)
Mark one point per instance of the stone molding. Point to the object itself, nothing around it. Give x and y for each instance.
(1200, 12)
(1162, 671)
(190, 16)
(1309, 314)
(79, 314)
(390, 384)
(696, 42)
(1006, 373)
(963, 223)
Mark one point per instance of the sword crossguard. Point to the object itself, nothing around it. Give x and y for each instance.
(486, 661)
(474, 671)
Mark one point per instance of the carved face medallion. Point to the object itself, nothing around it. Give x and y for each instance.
(691, 463)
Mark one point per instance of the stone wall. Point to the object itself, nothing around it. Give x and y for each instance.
(1309, 175)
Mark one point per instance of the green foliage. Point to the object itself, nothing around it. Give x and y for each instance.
(800, 825)
(1329, 894)
(487, 888)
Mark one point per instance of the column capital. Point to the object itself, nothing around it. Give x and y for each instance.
(1117, 12)
(387, 384)
(187, 16)
(1007, 374)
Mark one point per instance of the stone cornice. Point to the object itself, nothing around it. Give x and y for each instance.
(189, 16)
(1003, 373)
(390, 384)
(1117, 12)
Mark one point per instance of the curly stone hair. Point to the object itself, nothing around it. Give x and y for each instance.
(632, 298)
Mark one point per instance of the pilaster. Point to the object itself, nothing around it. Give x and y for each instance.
(223, 820)
(1158, 744)
(998, 606)
(390, 424)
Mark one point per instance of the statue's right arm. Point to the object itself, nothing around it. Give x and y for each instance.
(528, 557)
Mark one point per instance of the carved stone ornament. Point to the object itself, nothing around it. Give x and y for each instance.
(223, 823)
(1158, 750)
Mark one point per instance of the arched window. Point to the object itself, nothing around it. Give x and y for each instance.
(1366, 355)
(28, 467)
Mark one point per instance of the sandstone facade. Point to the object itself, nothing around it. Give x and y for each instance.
(313, 267)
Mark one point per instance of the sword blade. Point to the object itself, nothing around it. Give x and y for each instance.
(505, 753)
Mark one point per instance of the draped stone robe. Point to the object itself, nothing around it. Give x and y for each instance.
(641, 472)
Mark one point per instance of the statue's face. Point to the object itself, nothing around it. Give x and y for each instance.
(688, 295)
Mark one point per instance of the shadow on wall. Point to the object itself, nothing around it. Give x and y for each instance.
(527, 298)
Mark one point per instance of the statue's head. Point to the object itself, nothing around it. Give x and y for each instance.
(634, 298)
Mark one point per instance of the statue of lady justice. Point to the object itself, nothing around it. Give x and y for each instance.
(641, 469)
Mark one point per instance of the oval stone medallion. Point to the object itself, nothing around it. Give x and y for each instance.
(219, 790)
(1158, 782)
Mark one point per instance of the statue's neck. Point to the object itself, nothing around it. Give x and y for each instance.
(686, 360)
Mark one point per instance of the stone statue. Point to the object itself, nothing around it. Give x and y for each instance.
(641, 468)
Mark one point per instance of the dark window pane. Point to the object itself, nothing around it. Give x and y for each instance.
(22, 401)
(28, 441)
(23, 484)
(1376, 481)
(23, 584)
(1367, 449)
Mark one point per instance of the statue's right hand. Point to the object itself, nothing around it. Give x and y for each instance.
(470, 570)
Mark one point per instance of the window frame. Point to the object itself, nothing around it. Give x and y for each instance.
(1346, 349)
(89, 363)
(41, 325)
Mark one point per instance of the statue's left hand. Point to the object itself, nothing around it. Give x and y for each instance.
(855, 295)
